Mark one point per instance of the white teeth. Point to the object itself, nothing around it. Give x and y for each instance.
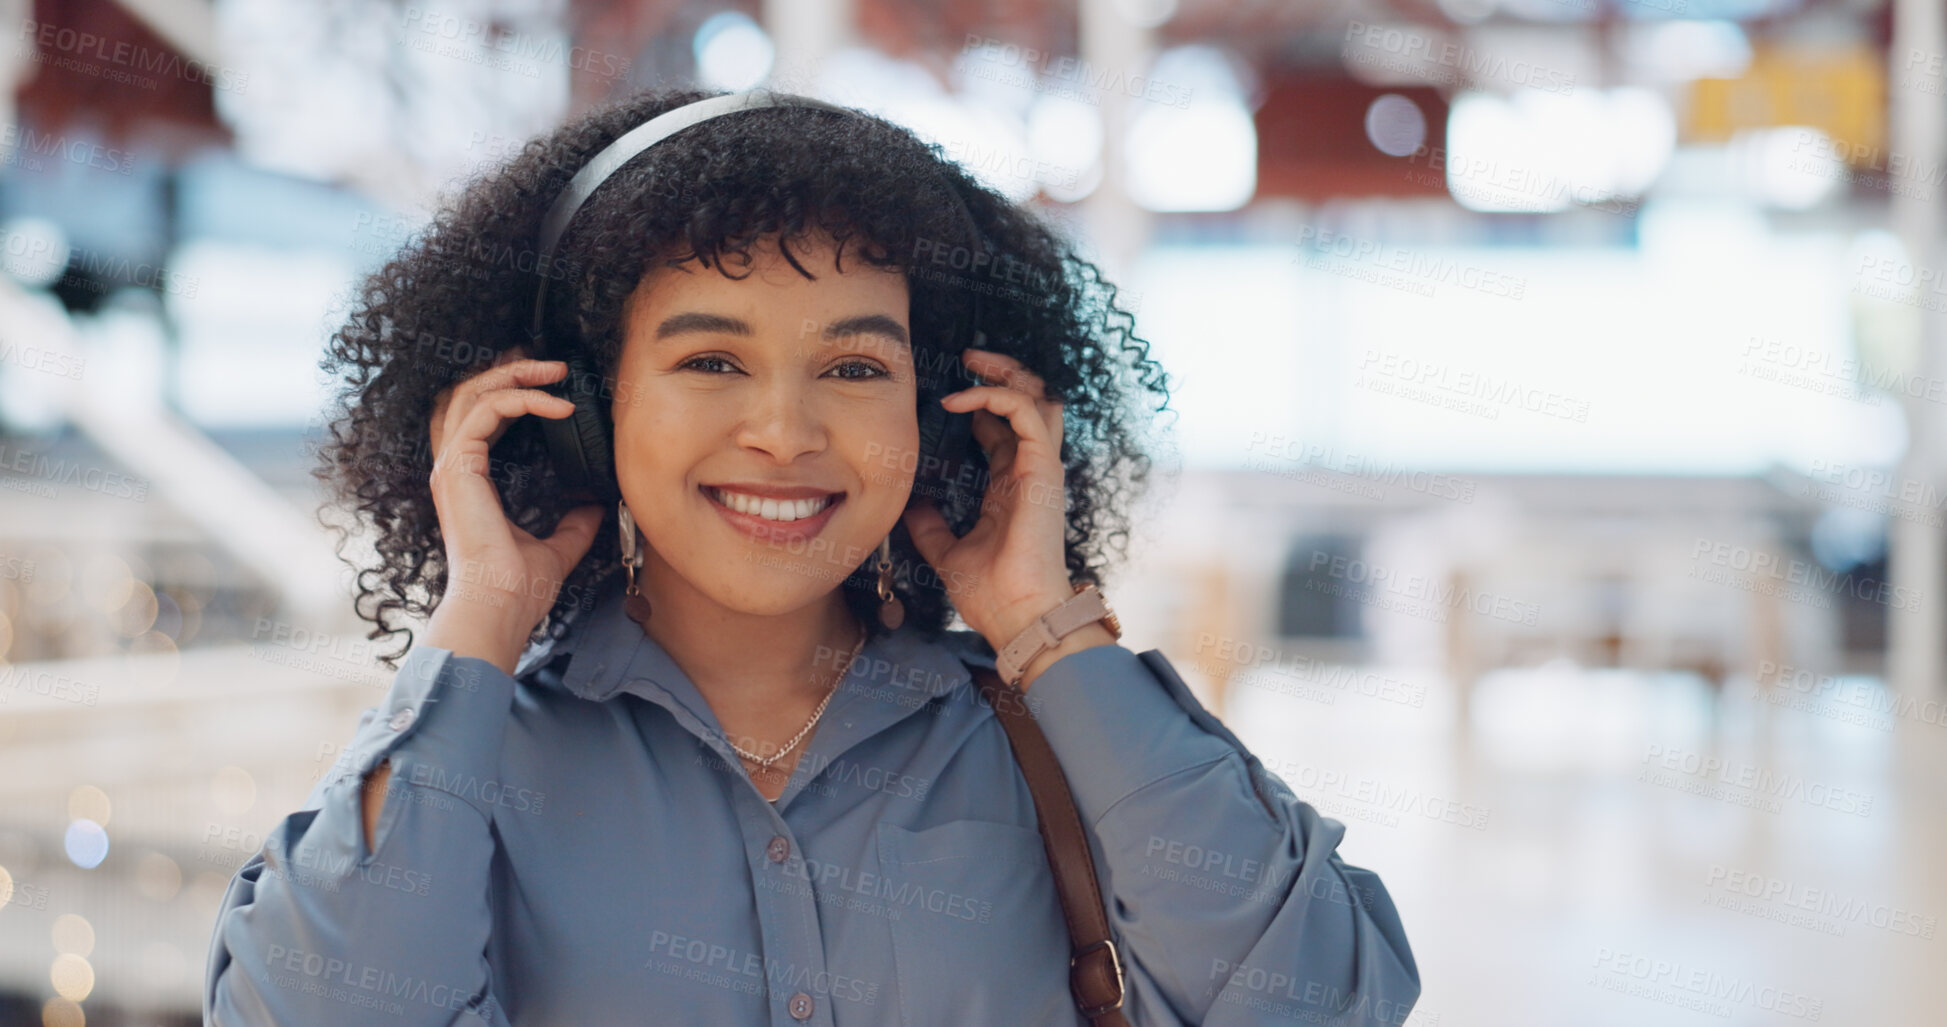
(784, 510)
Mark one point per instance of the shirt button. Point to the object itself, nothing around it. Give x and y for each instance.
(801, 1006)
(402, 719)
(779, 848)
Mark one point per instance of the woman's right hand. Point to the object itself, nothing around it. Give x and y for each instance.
(500, 579)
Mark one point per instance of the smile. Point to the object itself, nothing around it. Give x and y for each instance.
(771, 520)
(781, 510)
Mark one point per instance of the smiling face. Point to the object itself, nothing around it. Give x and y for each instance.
(765, 426)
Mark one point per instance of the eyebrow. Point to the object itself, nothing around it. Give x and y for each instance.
(867, 324)
(678, 324)
(692, 321)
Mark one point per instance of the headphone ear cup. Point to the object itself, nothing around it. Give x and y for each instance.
(579, 443)
(931, 421)
(946, 451)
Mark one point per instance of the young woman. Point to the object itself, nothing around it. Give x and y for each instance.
(710, 754)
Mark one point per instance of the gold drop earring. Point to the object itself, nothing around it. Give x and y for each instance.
(636, 605)
(892, 612)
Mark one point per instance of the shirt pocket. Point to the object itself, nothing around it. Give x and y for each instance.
(977, 931)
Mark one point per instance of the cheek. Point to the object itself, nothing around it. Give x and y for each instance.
(650, 435)
(883, 446)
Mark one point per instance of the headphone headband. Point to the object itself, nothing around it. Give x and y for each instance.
(614, 155)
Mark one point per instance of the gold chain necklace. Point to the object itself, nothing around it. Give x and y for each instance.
(764, 762)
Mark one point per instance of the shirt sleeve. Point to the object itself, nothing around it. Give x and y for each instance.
(318, 929)
(1224, 891)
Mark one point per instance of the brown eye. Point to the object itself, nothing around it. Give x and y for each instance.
(866, 371)
(694, 362)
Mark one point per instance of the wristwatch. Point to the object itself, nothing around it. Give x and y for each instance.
(1050, 628)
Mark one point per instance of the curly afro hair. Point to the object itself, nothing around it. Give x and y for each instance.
(461, 291)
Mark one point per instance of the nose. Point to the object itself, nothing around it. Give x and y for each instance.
(782, 421)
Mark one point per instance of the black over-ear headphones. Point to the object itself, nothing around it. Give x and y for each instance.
(579, 444)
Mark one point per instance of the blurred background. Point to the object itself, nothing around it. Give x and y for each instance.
(1554, 495)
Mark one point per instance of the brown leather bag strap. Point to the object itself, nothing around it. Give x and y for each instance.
(1094, 965)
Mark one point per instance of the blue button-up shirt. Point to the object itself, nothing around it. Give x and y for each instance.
(577, 843)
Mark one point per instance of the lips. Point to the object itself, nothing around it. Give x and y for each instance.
(783, 509)
(747, 513)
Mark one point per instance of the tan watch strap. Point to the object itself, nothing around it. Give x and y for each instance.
(1095, 979)
(1047, 631)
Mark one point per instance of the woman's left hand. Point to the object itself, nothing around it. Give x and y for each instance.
(1009, 569)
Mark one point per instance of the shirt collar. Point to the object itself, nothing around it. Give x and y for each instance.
(895, 674)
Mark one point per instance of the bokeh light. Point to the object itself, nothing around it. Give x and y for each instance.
(73, 935)
(62, 1012)
(732, 52)
(90, 802)
(158, 877)
(86, 843)
(233, 790)
(73, 978)
(1395, 125)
